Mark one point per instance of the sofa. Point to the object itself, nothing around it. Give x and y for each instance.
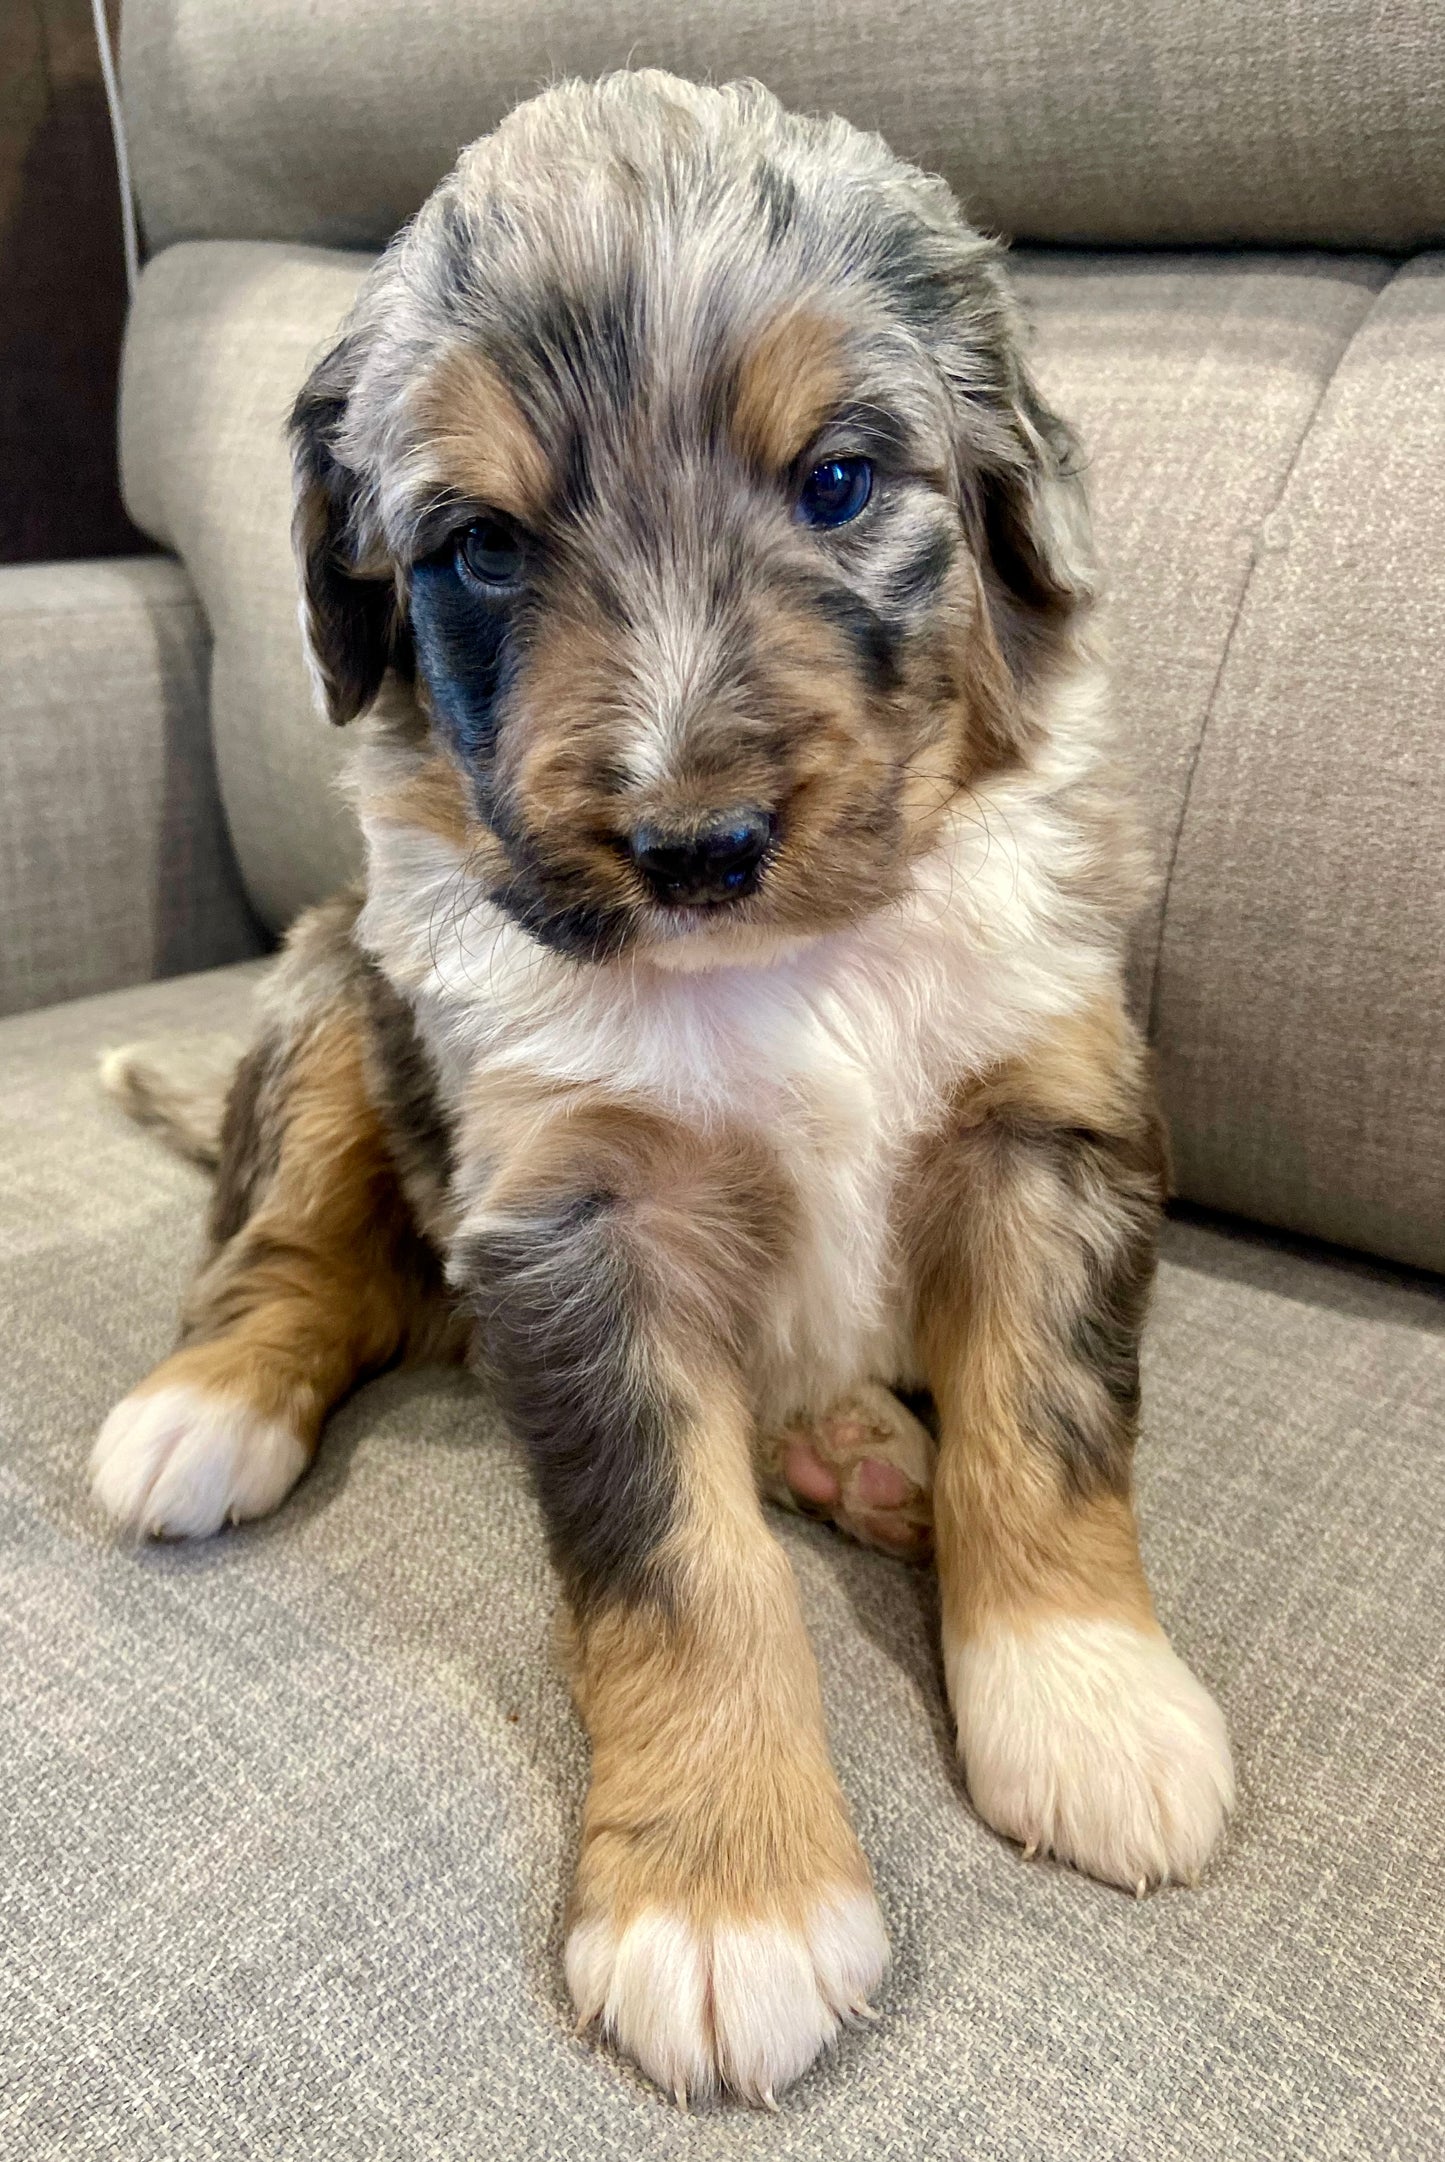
(287, 1817)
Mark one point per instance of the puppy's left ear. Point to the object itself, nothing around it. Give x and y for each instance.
(1033, 536)
(351, 618)
(1017, 464)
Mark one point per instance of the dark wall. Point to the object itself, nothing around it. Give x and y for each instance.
(62, 290)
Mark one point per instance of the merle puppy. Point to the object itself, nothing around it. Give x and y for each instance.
(730, 1035)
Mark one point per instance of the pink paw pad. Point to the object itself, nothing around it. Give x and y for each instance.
(872, 1476)
(809, 1476)
(882, 1486)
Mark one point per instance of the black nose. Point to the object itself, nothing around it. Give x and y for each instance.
(718, 861)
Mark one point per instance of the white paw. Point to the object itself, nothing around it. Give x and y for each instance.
(178, 1463)
(1093, 1741)
(745, 2005)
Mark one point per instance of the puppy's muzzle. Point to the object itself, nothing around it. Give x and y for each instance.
(717, 861)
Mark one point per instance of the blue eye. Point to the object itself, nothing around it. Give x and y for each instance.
(835, 491)
(491, 550)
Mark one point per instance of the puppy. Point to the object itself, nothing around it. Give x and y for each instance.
(731, 1034)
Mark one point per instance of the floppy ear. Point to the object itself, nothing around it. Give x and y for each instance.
(1032, 532)
(351, 619)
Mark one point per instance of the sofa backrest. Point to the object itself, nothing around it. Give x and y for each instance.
(1100, 121)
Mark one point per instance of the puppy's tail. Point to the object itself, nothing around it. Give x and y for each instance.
(178, 1087)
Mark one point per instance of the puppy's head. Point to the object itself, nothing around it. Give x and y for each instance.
(682, 454)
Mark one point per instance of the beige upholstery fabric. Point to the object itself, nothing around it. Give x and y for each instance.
(1191, 382)
(1301, 996)
(286, 1821)
(1197, 386)
(221, 340)
(114, 860)
(1116, 121)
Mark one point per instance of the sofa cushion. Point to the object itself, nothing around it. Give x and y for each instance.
(286, 1819)
(1201, 387)
(220, 341)
(1191, 382)
(115, 864)
(1117, 122)
(1300, 1005)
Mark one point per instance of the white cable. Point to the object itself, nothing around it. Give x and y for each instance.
(122, 156)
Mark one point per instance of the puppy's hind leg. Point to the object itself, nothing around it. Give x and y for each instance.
(866, 1465)
(317, 1275)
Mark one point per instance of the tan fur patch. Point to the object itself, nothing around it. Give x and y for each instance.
(560, 757)
(433, 797)
(326, 1280)
(1009, 1261)
(478, 441)
(1012, 1547)
(791, 381)
(711, 1789)
(1089, 1069)
(712, 1214)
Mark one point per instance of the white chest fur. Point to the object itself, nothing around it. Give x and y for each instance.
(840, 1053)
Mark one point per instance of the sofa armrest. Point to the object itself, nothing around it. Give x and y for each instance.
(115, 864)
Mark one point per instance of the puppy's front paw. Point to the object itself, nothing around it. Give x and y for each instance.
(703, 2000)
(178, 1462)
(723, 1945)
(1092, 1740)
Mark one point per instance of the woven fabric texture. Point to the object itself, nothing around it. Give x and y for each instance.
(115, 864)
(1124, 121)
(286, 1820)
(1300, 1007)
(221, 340)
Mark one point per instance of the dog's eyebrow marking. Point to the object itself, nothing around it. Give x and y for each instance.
(789, 383)
(476, 440)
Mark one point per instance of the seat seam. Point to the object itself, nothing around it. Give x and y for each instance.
(1246, 586)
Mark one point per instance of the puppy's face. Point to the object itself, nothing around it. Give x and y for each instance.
(682, 453)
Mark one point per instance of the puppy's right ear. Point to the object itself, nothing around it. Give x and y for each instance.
(351, 618)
